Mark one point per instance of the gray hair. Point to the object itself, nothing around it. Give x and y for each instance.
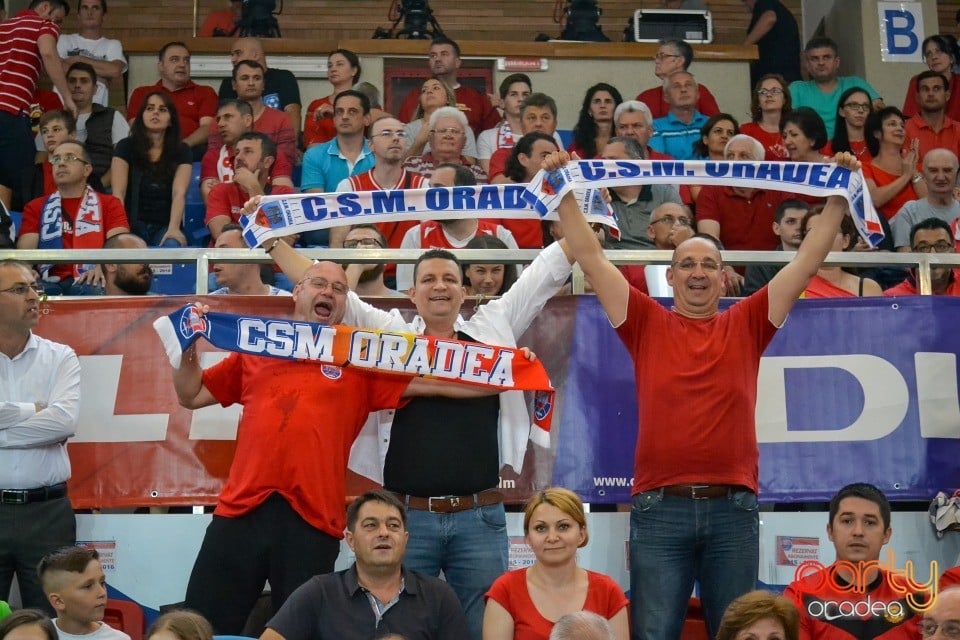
(632, 106)
(759, 153)
(630, 146)
(372, 93)
(666, 81)
(449, 112)
(582, 625)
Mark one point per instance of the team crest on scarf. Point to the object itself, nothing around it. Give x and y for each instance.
(542, 405)
(192, 323)
(331, 371)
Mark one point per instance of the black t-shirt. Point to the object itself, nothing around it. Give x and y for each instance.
(155, 196)
(779, 49)
(444, 446)
(280, 88)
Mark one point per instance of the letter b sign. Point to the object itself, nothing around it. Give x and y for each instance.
(901, 31)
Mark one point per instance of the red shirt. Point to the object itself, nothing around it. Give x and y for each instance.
(774, 150)
(433, 237)
(715, 360)
(227, 198)
(744, 224)
(881, 178)
(317, 131)
(858, 147)
(498, 162)
(193, 102)
(911, 107)
(476, 106)
(392, 231)
(653, 98)
(217, 164)
(909, 287)
(298, 424)
(947, 138)
(223, 21)
(820, 288)
(20, 60)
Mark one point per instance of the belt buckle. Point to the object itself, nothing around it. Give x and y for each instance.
(693, 491)
(11, 496)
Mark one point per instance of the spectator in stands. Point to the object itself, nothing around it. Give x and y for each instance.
(444, 60)
(280, 88)
(714, 136)
(256, 153)
(126, 279)
(633, 120)
(760, 615)
(338, 605)
(822, 91)
(849, 128)
(522, 165)
(73, 217)
(448, 129)
(90, 47)
(56, 127)
(366, 279)
(595, 122)
(76, 587)
(932, 235)
(940, 169)
(740, 217)
(804, 135)
(522, 603)
(182, 625)
(30, 40)
(632, 205)
(670, 224)
(673, 56)
(98, 128)
(485, 279)
(448, 234)
(892, 176)
(514, 89)
(786, 224)
(538, 114)
(343, 72)
(36, 516)
(931, 126)
(223, 23)
(434, 95)
(373, 95)
(586, 625)
(859, 527)
(348, 153)
(711, 475)
(837, 282)
(675, 133)
(774, 30)
(239, 278)
(151, 172)
(941, 56)
(29, 624)
(196, 104)
(769, 102)
(943, 615)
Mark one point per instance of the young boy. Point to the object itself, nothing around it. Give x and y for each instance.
(73, 581)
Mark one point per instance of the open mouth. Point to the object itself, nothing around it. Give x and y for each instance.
(323, 309)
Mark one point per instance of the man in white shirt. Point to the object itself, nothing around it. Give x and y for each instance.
(104, 54)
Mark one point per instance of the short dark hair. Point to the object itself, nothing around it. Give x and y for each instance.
(28, 616)
(930, 224)
(847, 227)
(865, 491)
(682, 47)
(792, 203)
(365, 225)
(231, 226)
(59, 114)
(83, 67)
(438, 40)
(925, 75)
(435, 254)
(944, 42)
(103, 5)
(267, 146)
(699, 146)
(539, 100)
(175, 43)
(253, 64)
(483, 241)
(821, 42)
(809, 122)
(874, 125)
(462, 176)
(377, 495)
(73, 559)
(514, 78)
(353, 93)
(240, 105)
(513, 169)
(57, 4)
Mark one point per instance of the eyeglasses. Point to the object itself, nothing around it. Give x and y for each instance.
(388, 133)
(453, 131)
(338, 288)
(672, 220)
(857, 106)
(949, 629)
(660, 57)
(362, 242)
(933, 52)
(939, 247)
(689, 264)
(22, 289)
(776, 91)
(69, 157)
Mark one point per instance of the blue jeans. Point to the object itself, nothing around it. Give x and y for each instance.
(152, 233)
(675, 541)
(470, 547)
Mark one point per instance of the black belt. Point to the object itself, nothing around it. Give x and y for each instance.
(26, 496)
(701, 491)
(452, 504)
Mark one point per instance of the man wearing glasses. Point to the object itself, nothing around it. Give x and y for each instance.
(39, 410)
(73, 217)
(366, 279)
(944, 616)
(672, 56)
(694, 514)
(932, 235)
(940, 168)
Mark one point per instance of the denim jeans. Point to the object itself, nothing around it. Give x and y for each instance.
(675, 541)
(152, 233)
(470, 547)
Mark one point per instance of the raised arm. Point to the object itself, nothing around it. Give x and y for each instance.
(609, 284)
(188, 381)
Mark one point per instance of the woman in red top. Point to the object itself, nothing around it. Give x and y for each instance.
(595, 123)
(836, 282)
(941, 54)
(848, 134)
(343, 71)
(893, 176)
(525, 604)
(770, 101)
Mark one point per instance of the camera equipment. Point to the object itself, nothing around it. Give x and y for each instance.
(258, 20)
(418, 21)
(582, 21)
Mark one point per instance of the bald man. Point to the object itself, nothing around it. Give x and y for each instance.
(280, 89)
(940, 168)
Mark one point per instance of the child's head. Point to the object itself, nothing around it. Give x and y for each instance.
(73, 581)
(27, 624)
(180, 625)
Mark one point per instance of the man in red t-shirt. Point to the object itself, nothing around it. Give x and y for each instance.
(696, 472)
(196, 104)
(73, 217)
(674, 55)
(281, 514)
